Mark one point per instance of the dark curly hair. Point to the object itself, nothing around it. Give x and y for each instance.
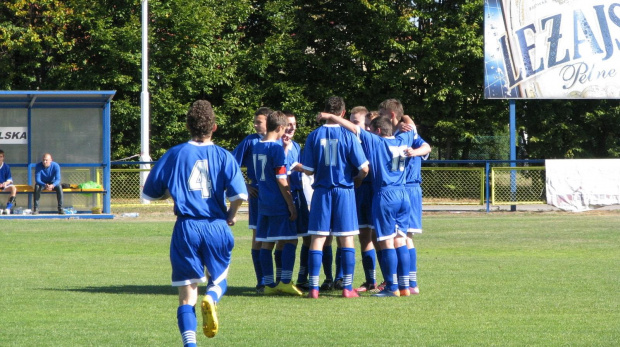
(200, 119)
(334, 105)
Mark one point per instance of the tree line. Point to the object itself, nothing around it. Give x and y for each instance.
(288, 55)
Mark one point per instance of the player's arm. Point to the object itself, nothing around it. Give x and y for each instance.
(285, 190)
(363, 172)
(338, 120)
(233, 208)
(421, 151)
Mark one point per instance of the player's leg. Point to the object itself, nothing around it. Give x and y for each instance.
(315, 258)
(415, 227)
(59, 199)
(302, 275)
(37, 196)
(186, 314)
(256, 245)
(13, 192)
(383, 207)
(277, 258)
(216, 246)
(346, 228)
(327, 261)
(400, 242)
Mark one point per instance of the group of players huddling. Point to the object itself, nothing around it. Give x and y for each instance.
(365, 176)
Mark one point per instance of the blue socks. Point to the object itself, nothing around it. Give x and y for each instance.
(348, 267)
(302, 276)
(186, 319)
(288, 262)
(403, 267)
(314, 268)
(369, 259)
(413, 266)
(257, 267)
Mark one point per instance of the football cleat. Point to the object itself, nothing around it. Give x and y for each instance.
(260, 289)
(381, 286)
(338, 284)
(405, 292)
(349, 294)
(328, 284)
(414, 290)
(367, 287)
(386, 293)
(313, 294)
(209, 317)
(305, 286)
(267, 290)
(288, 289)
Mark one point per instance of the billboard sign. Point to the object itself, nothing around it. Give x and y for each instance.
(552, 49)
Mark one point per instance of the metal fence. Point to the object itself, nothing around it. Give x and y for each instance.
(444, 182)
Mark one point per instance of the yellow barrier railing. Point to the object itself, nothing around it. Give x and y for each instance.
(440, 186)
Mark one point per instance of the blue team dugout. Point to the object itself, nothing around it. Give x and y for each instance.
(74, 126)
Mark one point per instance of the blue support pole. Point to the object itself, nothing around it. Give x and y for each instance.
(513, 153)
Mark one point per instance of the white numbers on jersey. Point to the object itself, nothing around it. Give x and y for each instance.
(398, 158)
(259, 170)
(199, 178)
(330, 147)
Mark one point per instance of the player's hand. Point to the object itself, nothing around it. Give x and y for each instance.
(1, 185)
(253, 191)
(231, 221)
(409, 152)
(357, 181)
(292, 213)
(321, 116)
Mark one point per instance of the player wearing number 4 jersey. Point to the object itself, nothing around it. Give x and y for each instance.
(331, 154)
(199, 176)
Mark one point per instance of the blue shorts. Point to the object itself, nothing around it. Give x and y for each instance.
(363, 201)
(275, 228)
(252, 212)
(415, 199)
(390, 212)
(301, 204)
(332, 212)
(200, 243)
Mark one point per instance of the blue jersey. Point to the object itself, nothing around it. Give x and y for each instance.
(293, 157)
(414, 171)
(50, 174)
(5, 173)
(387, 158)
(332, 153)
(243, 155)
(269, 166)
(199, 177)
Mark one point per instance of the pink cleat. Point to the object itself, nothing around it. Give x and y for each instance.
(349, 294)
(313, 294)
(414, 290)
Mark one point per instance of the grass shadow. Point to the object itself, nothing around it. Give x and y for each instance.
(152, 290)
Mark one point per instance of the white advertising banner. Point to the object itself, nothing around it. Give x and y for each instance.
(14, 135)
(552, 49)
(582, 184)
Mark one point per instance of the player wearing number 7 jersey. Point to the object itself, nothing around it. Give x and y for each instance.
(199, 176)
(331, 154)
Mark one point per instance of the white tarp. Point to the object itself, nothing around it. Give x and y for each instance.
(582, 184)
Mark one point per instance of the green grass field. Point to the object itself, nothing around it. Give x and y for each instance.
(500, 279)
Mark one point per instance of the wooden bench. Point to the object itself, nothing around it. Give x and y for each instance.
(24, 188)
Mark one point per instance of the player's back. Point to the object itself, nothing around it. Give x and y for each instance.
(332, 153)
(269, 166)
(198, 176)
(243, 155)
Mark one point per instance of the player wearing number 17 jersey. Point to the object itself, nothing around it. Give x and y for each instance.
(199, 176)
(331, 154)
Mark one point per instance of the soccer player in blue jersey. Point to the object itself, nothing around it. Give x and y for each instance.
(331, 154)
(390, 204)
(394, 108)
(363, 199)
(243, 155)
(6, 182)
(199, 176)
(276, 210)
